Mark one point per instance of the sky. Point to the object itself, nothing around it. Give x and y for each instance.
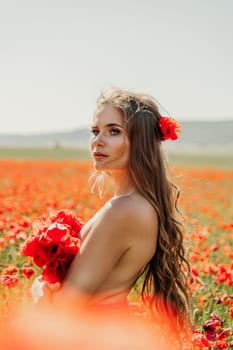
(57, 56)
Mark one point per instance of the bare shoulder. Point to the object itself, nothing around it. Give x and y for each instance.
(132, 211)
(132, 204)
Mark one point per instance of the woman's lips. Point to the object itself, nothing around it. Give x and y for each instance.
(98, 155)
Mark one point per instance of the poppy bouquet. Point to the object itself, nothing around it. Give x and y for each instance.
(53, 243)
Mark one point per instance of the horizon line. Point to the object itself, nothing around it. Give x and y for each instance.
(62, 131)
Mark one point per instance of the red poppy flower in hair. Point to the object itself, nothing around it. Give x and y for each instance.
(170, 128)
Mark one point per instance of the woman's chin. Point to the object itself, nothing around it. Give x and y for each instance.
(99, 166)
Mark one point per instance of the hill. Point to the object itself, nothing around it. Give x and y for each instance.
(205, 133)
(206, 136)
(75, 139)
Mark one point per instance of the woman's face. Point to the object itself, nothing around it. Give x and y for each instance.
(109, 141)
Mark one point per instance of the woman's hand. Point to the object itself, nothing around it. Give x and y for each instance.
(42, 291)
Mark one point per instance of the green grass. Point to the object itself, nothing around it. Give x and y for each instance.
(201, 160)
(44, 153)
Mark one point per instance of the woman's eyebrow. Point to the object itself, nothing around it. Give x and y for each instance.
(115, 124)
(110, 125)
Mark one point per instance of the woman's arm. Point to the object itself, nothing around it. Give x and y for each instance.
(108, 239)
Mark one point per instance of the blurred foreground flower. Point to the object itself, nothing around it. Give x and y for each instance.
(28, 271)
(9, 280)
(61, 329)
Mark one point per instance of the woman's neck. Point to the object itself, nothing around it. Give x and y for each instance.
(123, 183)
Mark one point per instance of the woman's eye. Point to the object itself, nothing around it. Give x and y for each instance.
(94, 132)
(114, 131)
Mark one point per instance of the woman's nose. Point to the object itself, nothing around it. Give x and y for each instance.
(98, 140)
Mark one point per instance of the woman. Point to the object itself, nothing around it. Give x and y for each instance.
(136, 233)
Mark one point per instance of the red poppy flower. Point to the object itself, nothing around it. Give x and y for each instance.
(199, 339)
(170, 128)
(223, 333)
(56, 231)
(66, 217)
(221, 344)
(10, 269)
(28, 271)
(56, 270)
(231, 312)
(9, 281)
(29, 249)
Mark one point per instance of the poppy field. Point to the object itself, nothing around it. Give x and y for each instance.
(30, 189)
